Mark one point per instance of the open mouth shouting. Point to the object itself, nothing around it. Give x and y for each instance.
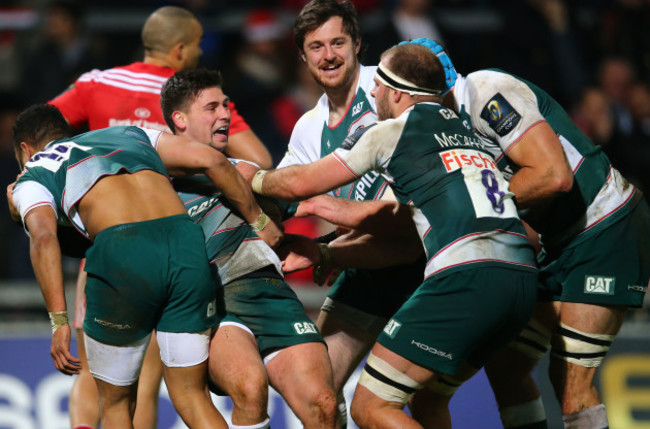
(221, 133)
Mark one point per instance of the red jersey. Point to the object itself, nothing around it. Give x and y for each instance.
(127, 95)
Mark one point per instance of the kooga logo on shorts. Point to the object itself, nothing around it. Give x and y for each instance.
(432, 350)
(600, 285)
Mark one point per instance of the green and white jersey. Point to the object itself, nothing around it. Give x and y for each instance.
(65, 170)
(503, 108)
(460, 201)
(308, 145)
(232, 246)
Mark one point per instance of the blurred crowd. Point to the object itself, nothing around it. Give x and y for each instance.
(593, 57)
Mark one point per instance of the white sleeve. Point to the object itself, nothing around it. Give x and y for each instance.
(304, 144)
(374, 148)
(29, 195)
(153, 136)
(235, 161)
(503, 108)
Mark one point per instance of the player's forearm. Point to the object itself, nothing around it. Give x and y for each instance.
(383, 218)
(290, 184)
(299, 182)
(233, 186)
(370, 252)
(46, 261)
(535, 186)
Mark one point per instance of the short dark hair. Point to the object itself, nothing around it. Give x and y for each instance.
(182, 88)
(417, 64)
(39, 124)
(317, 12)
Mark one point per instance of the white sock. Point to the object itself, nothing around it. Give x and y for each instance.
(591, 418)
(523, 414)
(263, 425)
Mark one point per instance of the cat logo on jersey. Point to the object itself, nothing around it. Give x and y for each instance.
(356, 109)
(600, 285)
(500, 115)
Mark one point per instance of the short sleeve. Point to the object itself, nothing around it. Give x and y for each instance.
(153, 135)
(373, 149)
(29, 194)
(503, 107)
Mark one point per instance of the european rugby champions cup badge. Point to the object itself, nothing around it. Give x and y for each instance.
(500, 115)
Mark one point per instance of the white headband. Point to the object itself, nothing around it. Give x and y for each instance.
(390, 79)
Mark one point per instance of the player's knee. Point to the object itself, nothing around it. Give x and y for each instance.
(251, 393)
(361, 413)
(326, 404)
(580, 348)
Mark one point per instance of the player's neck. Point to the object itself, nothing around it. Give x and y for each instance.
(158, 61)
(339, 99)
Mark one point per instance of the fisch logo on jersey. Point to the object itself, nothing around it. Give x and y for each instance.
(457, 158)
(500, 115)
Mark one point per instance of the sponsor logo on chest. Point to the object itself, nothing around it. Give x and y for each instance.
(195, 210)
(600, 285)
(356, 109)
(456, 159)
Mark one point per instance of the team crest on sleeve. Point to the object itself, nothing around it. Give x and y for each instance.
(353, 138)
(500, 115)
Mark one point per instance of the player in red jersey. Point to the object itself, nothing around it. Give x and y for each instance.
(130, 95)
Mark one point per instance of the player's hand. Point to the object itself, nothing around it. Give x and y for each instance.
(60, 351)
(298, 252)
(13, 211)
(271, 234)
(310, 206)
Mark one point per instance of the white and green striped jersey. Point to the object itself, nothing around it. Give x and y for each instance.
(307, 144)
(502, 107)
(232, 246)
(65, 170)
(460, 201)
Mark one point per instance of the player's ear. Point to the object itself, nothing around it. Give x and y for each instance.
(357, 46)
(178, 51)
(27, 149)
(304, 60)
(179, 120)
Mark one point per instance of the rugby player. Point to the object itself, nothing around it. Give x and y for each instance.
(130, 95)
(327, 34)
(480, 282)
(147, 266)
(592, 224)
(266, 336)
